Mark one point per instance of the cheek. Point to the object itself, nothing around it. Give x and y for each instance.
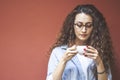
(90, 31)
(76, 31)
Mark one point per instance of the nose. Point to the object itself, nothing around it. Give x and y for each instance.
(83, 29)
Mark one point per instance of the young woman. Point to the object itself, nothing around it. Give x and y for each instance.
(85, 25)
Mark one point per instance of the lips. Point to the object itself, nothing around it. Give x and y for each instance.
(83, 35)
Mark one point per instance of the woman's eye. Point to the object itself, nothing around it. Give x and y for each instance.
(88, 25)
(79, 24)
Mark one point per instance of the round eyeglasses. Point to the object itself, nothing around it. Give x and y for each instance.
(87, 25)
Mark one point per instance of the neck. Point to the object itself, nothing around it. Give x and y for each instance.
(78, 42)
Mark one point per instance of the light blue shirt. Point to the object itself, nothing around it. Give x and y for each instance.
(78, 68)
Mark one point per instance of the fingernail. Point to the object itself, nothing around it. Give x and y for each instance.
(87, 46)
(84, 49)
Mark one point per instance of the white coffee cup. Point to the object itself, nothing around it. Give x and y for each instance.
(81, 50)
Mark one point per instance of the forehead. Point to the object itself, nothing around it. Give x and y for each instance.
(82, 17)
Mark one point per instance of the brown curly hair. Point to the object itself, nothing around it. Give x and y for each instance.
(100, 36)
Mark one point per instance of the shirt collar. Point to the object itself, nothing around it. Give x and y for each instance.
(64, 47)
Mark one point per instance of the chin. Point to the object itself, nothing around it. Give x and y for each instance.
(83, 39)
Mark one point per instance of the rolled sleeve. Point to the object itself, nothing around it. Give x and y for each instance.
(53, 61)
(109, 75)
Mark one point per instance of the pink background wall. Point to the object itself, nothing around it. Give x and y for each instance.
(29, 27)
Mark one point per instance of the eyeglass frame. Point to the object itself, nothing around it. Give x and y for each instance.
(86, 26)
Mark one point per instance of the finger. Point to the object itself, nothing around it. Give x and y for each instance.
(90, 54)
(73, 52)
(73, 47)
(89, 50)
(91, 57)
(90, 47)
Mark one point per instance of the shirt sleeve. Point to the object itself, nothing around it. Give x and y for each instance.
(49, 77)
(109, 75)
(53, 61)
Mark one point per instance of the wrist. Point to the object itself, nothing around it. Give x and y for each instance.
(64, 61)
(101, 72)
(98, 61)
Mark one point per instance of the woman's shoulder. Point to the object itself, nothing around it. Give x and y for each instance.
(62, 47)
(59, 49)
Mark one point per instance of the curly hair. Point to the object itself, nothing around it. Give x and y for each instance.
(99, 38)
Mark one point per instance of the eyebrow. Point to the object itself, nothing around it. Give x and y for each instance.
(82, 22)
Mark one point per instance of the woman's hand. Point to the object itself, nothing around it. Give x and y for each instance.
(92, 53)
(70, 52)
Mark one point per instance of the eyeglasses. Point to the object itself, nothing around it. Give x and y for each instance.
(87, 25)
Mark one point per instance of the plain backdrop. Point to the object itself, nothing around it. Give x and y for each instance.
(28, 28)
